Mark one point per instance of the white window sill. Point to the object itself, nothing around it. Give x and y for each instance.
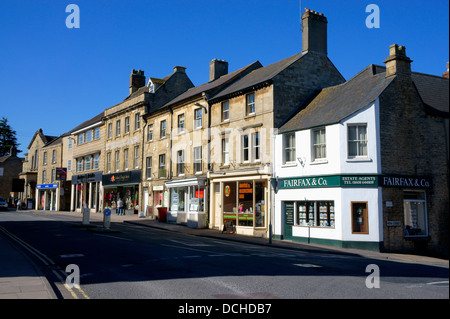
(289, 164)
(359, 159)
(319, 161)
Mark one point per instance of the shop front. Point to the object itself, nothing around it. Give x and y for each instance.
(47, 196)
(87, 192)
(187, 202)
(241, 205)
(374, 212)
(124, 186)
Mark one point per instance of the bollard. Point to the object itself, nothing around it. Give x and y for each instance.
(86, 213)
(106, 218)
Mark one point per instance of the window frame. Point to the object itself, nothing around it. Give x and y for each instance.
(198, 159)
(319, 148)
(180, 163)
(162, 129)
(181, 123)
(291, 148)
(250, 105)
(227, 111)
(198, 120)
(357, 141)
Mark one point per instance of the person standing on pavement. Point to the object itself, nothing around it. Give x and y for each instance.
(19, 204)
(119, 207)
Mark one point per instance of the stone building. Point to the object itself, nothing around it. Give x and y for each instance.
(10, 168)
(177, 153)
(126, 130)
(52, 190)
(243, 116)
(365, 164)
(31, 165)
(85, 161)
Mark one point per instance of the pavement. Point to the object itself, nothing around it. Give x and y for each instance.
(20, 277)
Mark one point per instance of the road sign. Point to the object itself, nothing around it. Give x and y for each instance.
(107, 212)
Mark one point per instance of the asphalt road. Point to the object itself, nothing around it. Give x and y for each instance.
(135, 262)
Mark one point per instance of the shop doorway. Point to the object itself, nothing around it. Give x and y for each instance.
(288, 219)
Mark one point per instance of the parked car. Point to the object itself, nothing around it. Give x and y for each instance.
(3, 203)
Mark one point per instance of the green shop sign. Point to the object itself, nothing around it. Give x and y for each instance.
(329, 181)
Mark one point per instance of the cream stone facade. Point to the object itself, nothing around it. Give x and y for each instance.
(85, 164)
(51, 193)
(123, 153)
(31, 165)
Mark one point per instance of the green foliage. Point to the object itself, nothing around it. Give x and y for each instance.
(7, 138)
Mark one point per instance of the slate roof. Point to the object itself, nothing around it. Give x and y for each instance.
(333, 104)
(212, 85)
(259, 76)
(89, 122)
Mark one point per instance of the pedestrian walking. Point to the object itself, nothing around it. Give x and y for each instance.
(120, 207)
(19, 204)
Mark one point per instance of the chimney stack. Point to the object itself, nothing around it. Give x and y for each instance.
(314, 37)
(137, 80)
(179, 69)
(217, 68)
(397, 63)
(445, 74)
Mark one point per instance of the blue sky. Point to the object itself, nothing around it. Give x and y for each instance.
(55, 78)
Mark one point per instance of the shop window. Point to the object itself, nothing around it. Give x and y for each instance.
(414, 207)
(177, 198)
(306, 214)
(229, 198)
(245, 210)
(315, 213)
(196, 198)
(260, 204)
(360, 222)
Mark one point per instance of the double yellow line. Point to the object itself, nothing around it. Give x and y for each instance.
(59, 273)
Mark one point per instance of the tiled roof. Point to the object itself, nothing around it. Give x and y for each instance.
(335, 103)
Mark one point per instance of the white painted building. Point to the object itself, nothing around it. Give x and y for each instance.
(313, 202)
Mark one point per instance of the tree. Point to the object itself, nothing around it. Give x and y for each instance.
(7, 138)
